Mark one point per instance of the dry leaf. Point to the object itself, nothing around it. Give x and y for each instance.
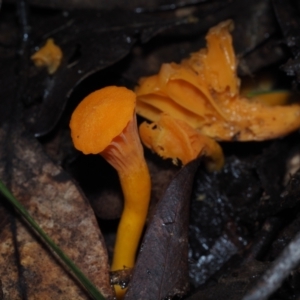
(61, 210)
(162, 265)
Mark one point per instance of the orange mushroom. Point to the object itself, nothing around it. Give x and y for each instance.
(175, 139)
(50, 56)
(204, 91)
(105, 123)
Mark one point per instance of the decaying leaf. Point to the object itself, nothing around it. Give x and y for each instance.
(288, 19)
(56, 204)
(138, 5)
(248, 14)
(162, 264)
(234, 285)
(90, 41)
(235, 201)
(225, 203)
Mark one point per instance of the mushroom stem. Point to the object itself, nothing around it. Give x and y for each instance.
(125, 154)
(133, 216)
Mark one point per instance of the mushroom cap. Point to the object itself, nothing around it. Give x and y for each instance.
(100, 117)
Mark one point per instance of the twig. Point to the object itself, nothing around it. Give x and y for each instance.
(282, 266)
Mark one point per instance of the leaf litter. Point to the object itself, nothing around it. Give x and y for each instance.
(90, 41)
(232, 206)
(162, 266)
(57, 205)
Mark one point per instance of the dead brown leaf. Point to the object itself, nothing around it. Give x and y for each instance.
(27, 269)
(161, 270)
